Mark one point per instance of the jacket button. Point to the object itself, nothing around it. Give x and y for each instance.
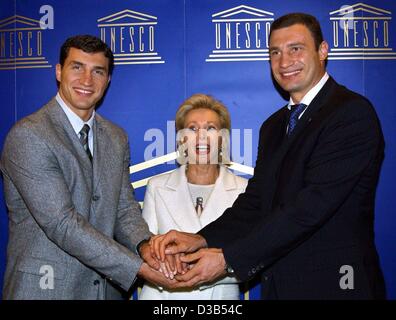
(95, 198)
(96, 282)
(266, 278)
(254, 270)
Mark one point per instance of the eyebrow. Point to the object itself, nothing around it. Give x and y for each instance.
(293, 44)
(82, 64)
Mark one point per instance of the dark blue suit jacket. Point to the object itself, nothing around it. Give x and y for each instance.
(309, 208)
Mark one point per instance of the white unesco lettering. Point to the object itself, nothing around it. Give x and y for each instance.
(241, 34)
(361, 32)
(47, 280)
(347, 280)
(47, 20)
(131, 36)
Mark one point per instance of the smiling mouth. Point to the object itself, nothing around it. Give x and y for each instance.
(290, 74)
(202, 149)
(84, 92)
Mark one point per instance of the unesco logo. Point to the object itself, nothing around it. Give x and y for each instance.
(131, 37)
(361, 32)
(21, 41)
(241, 34)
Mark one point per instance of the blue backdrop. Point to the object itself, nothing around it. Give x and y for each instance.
(167, 50)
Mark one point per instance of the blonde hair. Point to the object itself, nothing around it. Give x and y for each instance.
(202, 101)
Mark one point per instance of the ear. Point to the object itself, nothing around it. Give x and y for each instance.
(58, 72)
(323, 50)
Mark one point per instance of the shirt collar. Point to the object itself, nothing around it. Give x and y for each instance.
(76, 122)
(311, 94)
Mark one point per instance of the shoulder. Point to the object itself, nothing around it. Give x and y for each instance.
(274, 119)
(162, 179)
(115, 132)
(31, 127)
(346, 102)
(238, 181)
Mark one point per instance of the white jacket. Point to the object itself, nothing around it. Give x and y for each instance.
(168, 205)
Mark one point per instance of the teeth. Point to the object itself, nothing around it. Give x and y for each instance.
(290, 73)
(204, 147)
(83, 91)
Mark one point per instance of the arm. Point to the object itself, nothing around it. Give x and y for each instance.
(246, 209)
(350, 144)
(130, 227)
(33, 169)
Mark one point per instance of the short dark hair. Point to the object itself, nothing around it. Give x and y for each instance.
(300, 18)
(89, 44)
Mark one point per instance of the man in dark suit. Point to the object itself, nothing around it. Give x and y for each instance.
(306, 220)
(75, 229)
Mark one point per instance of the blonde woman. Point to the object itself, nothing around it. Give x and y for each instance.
(196, 193)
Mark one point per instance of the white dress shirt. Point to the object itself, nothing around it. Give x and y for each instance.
(76, 122)
(311, 94)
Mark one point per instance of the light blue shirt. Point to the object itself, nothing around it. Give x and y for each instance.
(76, 122)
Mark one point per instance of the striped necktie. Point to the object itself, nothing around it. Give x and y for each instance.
(84, 140)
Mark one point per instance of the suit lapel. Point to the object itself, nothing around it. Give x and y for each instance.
(215, 207)
(67, 134)
(102, 151)
(317, 103)
(177, 199)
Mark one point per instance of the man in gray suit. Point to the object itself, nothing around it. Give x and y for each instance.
(75, 228)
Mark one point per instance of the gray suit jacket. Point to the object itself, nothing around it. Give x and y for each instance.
(82, 222)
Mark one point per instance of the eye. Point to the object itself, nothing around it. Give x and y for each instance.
(76, 67)
(274, 53)
(295, 49)
(192, 128)
(211, 127)
(99, 72)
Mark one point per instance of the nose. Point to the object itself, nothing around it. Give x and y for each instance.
(202, 135)
(86, 78)
(285, 60)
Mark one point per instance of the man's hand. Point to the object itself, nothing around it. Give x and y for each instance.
(175, 242)
(209, 266)
(170, 267)
(145, 254)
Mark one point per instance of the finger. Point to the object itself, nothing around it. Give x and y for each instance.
(188, 258)
(164, 269)
(160, 249)
(153, 263)
(194, 282)
(165, 241)
(184, 267)
(179, 267)
(174, 249)
(192, 273)
(170, 260)
(152, 240)
(170, 271)
(157, 242)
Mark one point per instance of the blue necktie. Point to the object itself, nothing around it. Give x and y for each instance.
(296, 110)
